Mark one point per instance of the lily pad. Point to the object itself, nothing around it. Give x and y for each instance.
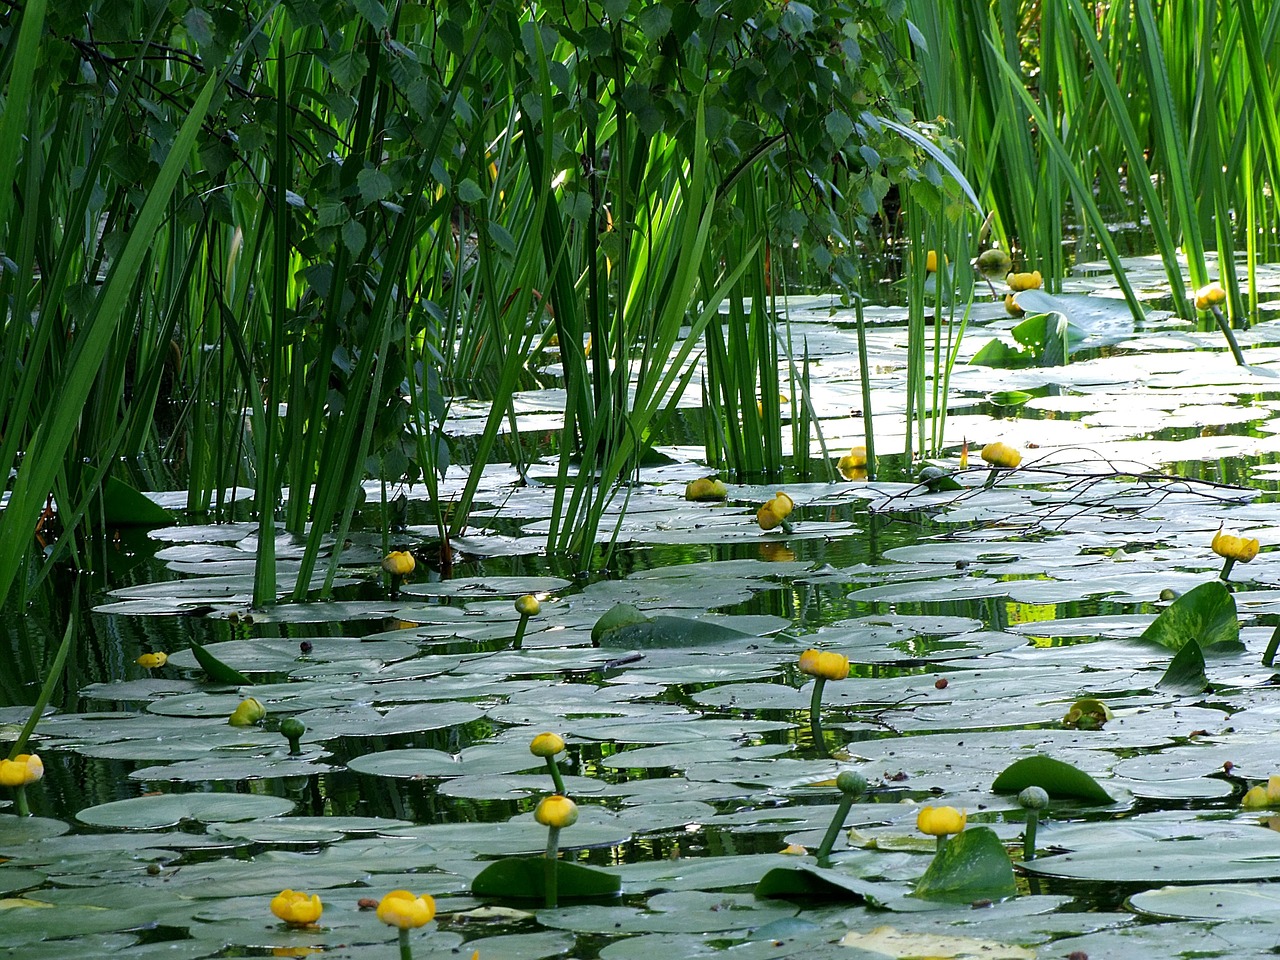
(160, 811)
(1205, 615)
(971, 866)
(1056, 778)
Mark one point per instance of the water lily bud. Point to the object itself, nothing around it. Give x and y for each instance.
(1033, 798)
(940, 821)
(546, 745)
(23, 769)
(828, 666)
(994, 263)
(528, 606)
(853, 463)
(293, 728)
(851, 782)
(1011, 306)
(296, 908)
(152, 660)
(1231, 547)
(249, 712)
(931, 261)
(782, 504)
(1001, 455)
(556, 811)
(399, 563)
(706, 489)
(1209, 295)
(402, 909)
(1025, 281)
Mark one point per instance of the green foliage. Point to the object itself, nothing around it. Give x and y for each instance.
(971, 866)
(1054, 777)
(1205, 615)
(521, 878)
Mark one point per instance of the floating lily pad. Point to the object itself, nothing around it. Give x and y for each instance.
(160, 811)
(1205, 615)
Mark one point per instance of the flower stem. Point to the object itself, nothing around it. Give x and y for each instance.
(1226, 332)
(555, 777)
(942, 842)
(551, 877)
(1227, 564)
(833, 831)
(20, 800)
(406, 952)
(520, 628)
(1269, 655)
(1029, 835)
(395, 584)
(815, 715)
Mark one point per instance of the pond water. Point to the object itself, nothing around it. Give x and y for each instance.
(974, 619)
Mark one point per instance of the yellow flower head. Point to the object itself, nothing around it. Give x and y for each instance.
(931, 261)
(828, 666)
(767, 517)
(940, 821)
(1001, 455)
(528, 606)
(296, 908)
(1230, 547)
(399, 563)
(152, 660)
(556, 811)
(546, 745)
(1025, 281)
(708, 488)
(1011, 306)
(782, 504)
(402, 909)
(249, 712)
(23, 769)
(1208, 295)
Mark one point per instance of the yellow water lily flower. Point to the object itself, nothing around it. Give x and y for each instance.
(556, 811)
(1001, 455)
(1209, 295)
(152, 660)
(1011, 306)
(249, 712)
(1231, 547)
(706, 489)
(402, 909)
(940, 821)
(528, 606)
(399, 563)
(766, 518)
(297, 908)
(824, 664)
(931, 261)
(1025, 281)
(23, 769)
(782, 504)
(546, 745)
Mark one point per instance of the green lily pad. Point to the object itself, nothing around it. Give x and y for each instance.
(1205, 615)
(161, 811)
(971, 866)
(807, 882)
(1185, 674)
(1056, 778)
(523, 878)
